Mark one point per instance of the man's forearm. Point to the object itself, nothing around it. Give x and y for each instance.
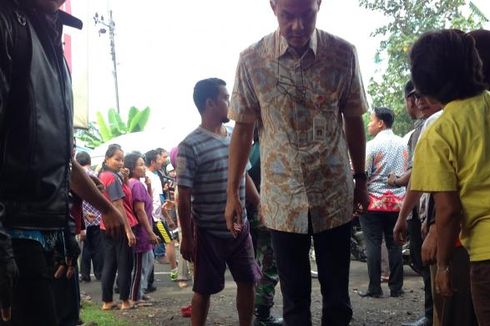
(84, 187)
(409, 202)
(241, 142)
(252, 195)
(356, 140)
(404, 179)
(184, 209)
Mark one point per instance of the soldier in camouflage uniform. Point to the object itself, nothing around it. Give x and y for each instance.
(261, 237)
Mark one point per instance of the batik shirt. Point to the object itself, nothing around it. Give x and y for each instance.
(386, 153)
(299, 103)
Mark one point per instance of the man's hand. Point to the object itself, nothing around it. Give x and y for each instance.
(83, 235)
(361, 196)
(8, 274)
(429, 247)
(400, 230)
(131, 237)
(392, 179)
(187, 248)
(90, 217)
(113, 221)
(234, 215)
(443, 281)
(65, 268)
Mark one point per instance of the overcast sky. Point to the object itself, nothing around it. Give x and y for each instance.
(164, 47)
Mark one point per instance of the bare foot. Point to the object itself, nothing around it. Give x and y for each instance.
(108, 306)
(127, 305)
(183, 284)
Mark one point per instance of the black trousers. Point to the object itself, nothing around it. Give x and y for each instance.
(416, 241)
(332, 249)
(118, 257)
(92, 253)
(374, 226)
(67, 297)
(33, 301)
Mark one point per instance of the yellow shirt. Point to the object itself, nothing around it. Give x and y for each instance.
(454, 155)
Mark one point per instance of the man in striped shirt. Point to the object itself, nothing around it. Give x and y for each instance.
(202, 168)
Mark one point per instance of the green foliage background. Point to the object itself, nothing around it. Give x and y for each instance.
(103, 130)
(408, 19)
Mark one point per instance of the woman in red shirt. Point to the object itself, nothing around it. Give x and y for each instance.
(118, 255)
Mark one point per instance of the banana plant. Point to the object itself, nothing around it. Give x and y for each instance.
(104, 130)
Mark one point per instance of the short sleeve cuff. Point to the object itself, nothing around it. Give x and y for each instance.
(354, 110)
(242, 116)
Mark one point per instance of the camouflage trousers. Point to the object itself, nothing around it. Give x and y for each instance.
(266, 288)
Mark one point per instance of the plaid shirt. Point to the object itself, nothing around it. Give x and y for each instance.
(87, 208)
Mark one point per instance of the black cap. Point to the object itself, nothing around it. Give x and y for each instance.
(409, 89)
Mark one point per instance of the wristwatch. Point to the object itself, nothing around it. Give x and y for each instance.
(360, 176)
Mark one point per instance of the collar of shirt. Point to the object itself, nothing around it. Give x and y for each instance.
(419, 123)
(281, 44)
(384, 133)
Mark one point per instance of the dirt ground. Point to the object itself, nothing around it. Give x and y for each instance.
(169, 298)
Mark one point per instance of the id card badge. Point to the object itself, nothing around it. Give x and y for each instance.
(319, 129)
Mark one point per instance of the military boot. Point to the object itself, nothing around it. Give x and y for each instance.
(263, 317)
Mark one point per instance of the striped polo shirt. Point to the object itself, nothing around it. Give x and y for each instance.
(202, 165)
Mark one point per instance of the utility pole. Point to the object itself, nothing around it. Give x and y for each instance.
(111, 26)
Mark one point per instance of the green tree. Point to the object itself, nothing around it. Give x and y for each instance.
(104, 130)
(407, 20)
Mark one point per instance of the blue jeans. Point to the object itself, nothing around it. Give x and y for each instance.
(374, 226)
(332, 249)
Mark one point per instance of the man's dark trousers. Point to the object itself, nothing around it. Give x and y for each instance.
(416, 241)
(92, 253)
(332, 249)
(375, 225)
(33, 302)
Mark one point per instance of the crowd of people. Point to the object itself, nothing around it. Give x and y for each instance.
(254, 199)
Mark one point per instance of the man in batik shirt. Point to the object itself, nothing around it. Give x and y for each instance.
(303, 87)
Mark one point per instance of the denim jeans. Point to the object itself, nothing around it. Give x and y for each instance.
(375, 225)
(332, 250)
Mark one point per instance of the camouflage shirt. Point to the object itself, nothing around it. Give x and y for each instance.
(299, 103)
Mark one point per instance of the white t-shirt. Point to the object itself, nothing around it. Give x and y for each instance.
(157, 190)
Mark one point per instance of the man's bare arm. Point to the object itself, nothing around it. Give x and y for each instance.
(356, 140)
(85, 188)
(241, 142)
(184, 209)
(251, 192)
